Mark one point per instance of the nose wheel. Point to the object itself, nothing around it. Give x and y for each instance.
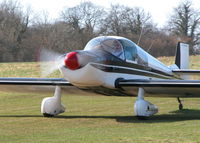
(180, 107)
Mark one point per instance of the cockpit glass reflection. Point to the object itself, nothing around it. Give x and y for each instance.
(110, 45)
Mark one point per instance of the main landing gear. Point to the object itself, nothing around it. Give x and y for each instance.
(52, 106)
(180, 104)
(142, 108)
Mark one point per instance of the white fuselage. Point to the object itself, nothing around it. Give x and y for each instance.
(90, 76)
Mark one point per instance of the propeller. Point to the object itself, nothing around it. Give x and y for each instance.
(50, 61)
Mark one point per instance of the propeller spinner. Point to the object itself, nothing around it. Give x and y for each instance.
(71, 61)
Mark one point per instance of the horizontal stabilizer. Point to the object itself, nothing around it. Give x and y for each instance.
(186, 72)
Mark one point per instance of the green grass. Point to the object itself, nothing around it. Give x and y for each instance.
(96, 119)
(194, 61)
(93, 119)
(26, 69)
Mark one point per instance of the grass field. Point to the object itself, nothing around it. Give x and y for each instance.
(93, 119)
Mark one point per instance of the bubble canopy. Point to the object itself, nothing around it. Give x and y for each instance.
(120, 47)
(124, 49)
(106, 43)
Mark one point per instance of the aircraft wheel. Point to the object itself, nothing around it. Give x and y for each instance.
(47, 115)
(180, 106)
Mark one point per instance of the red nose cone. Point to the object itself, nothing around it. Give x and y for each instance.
(71, 61)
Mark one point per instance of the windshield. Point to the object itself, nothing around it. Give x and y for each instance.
(107, 44)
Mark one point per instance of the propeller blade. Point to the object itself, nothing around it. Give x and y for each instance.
(50, 61)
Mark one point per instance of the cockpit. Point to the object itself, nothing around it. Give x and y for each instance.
(119, 47)
(110, 45)
(124, 49)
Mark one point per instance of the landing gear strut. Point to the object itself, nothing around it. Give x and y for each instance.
(180, 107)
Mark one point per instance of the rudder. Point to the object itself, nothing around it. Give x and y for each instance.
(182, 55)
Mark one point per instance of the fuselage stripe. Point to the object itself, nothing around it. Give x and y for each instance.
(128, 70)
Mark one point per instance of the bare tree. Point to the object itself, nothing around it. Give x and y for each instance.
(138, 23)
(85, 19)
(22, 41)
(50, 35)
(113, 23)
(13, 25)
(136, 19)
(133, 23)
(185, 23)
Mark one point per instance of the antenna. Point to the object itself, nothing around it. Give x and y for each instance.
(150, 46)
(141, 32)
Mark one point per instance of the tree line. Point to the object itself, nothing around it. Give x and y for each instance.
(22, 36)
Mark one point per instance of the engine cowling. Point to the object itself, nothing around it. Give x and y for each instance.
(144, 108)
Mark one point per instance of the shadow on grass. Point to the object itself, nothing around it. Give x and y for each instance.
(20, 116)
(174, 116)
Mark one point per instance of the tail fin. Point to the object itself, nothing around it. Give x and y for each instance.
(182, 57)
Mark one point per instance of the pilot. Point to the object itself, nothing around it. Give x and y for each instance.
(117, 49)
(114, 47)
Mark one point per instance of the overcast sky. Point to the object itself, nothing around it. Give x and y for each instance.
(159, 9)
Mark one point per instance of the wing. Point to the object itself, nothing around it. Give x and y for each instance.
(37, 85)
(34, 81)
(163, 88)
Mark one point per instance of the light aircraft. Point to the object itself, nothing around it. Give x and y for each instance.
(115, 66)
